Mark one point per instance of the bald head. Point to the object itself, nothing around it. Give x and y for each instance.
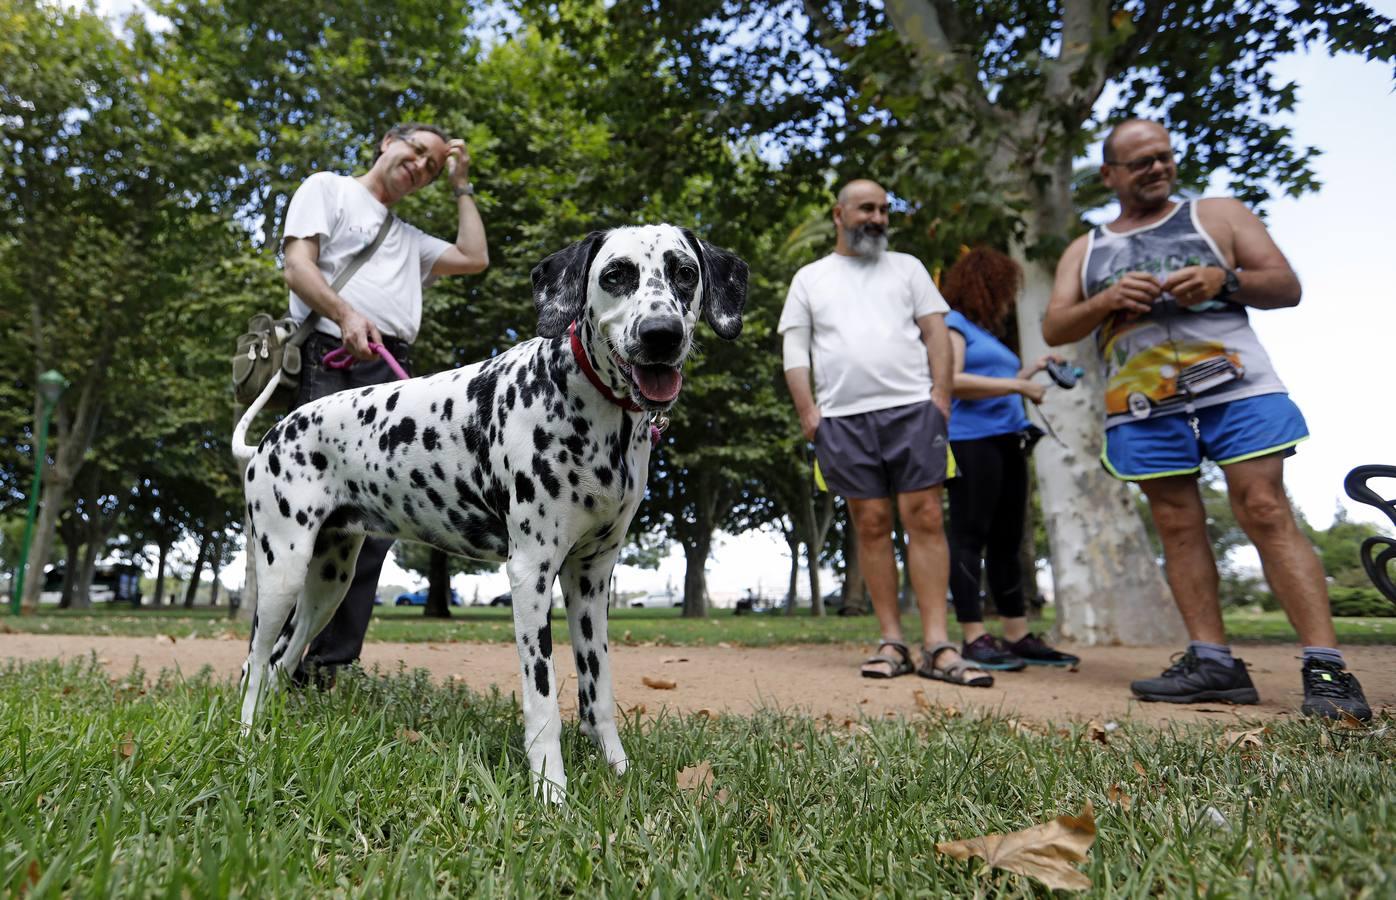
(860, 219)
(1129, 130)
(859, 188)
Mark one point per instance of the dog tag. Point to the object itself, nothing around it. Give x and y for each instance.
(654, 435)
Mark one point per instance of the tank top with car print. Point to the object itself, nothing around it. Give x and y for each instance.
(1173, 358)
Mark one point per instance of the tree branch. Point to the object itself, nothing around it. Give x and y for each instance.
(919, 24)
(1085, 26)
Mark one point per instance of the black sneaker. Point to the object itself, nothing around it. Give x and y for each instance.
(1329, 691)
(1034, 651)
(1192, 679)
(991, 653)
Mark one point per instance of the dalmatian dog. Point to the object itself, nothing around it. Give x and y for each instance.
(536, 458)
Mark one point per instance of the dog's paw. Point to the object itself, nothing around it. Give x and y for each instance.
(619, 765)
(550, 791)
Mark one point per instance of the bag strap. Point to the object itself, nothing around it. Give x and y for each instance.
(306, 327)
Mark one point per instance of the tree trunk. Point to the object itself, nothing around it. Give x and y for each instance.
(695, 580)
(1106, 585)
(823, 521)
(439, 587)
(792, 587)
(216, 562)
(1027, 554)
(70, 571)
(160, 571)
(855, 594)
(82, 591)
(246, 608)
(192, 591)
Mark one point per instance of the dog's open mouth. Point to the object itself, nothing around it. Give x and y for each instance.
(656, 383)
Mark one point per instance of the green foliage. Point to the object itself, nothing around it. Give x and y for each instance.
(1359, 601)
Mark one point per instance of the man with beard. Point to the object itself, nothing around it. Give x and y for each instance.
(874, 325)
(1165, 289)
(331, 218)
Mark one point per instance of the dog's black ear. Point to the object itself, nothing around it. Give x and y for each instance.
(724, 287)
(560, 284)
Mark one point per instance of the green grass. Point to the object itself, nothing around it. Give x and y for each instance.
(661, 626)
(332, 796)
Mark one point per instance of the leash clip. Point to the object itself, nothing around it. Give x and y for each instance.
(659, 423)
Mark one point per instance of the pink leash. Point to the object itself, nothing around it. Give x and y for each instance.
(340, 358)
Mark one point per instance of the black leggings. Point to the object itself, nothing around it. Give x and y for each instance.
(986, 520)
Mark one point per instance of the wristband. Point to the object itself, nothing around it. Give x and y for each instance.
(463, 190)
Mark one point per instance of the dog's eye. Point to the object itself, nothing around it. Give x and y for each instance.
(686, 276)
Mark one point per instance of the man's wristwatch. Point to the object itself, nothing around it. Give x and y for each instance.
(463, 190)
(1230, 285)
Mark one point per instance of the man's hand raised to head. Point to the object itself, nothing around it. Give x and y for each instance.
(457, 163)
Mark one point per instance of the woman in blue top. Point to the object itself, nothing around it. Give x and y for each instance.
(988, 434)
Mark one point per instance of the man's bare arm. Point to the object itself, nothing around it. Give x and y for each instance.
(470, 254)
(1266, 278)
(304, 277)
(1071, 316)
(941, 356)
(803, 396)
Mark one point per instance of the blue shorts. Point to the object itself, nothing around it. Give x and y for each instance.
(1230, 433)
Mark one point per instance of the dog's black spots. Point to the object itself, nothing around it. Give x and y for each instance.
(392, 401)
(404, 432)
(373, 488)
(497, 497)
(368, 414)
(273, 436)
(251, 473)
(274, 463)
(575, 444)
(591, 718)
(562, 457)
(603, 475)
(511, 399)
(573, 479)
(474, 438)
(591, 692)
(540, 677)
(523, 488)
(541, 585)
(302, 519)
(328, 572)
(593, 664)
(580, 425)
(341, 518)
(353, 487)
(343, 577)
(437, 501)
(448, 409)
(430, 438)
(285, 506)
(249, 510)
(266, 550)
(299, 457)
(586, 620)
(318, 460)
(545, 639)
(605, 531)
(541, 439)
(466, 498)
(417, 478)
(344, 552)
(438, 472)
(526, 527)
(546, 476)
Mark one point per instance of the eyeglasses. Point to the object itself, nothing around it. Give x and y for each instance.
(1143, 163)
(421, 152)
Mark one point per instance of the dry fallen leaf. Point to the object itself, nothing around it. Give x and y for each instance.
(164, 639)
(32, 876)
(626, 638)
(1348, 720)
(127, 747)
(856, 727)
(1096, 732)
(1043, 852)
(698, 780)
(408, 735)
(724, 645)
(659, 684)
(705, 713)
(1117, 796)
(228, 636)
(638, 709)
(676, 659)
(1143, 772)
(920, 697)
(1251, 737)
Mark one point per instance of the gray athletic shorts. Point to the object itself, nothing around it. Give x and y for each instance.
(883, 452)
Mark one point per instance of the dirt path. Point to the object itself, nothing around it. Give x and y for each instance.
(816, 679)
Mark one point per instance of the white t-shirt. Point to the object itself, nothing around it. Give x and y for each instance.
(387, 290)
(861, 312)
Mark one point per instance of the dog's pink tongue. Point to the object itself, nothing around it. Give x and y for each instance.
(658, 383)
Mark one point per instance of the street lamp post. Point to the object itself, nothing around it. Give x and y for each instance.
(51, 387)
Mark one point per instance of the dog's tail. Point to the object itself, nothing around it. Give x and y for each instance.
(243, 451)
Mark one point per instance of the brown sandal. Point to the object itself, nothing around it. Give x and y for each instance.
(897, 667)
(962, 671)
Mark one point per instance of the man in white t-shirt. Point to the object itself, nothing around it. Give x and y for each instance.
(331, 218)
(871, 325)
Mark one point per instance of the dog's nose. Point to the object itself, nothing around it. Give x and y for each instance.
(661, 336)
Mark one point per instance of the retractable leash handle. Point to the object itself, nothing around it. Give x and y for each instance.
(1377, 553)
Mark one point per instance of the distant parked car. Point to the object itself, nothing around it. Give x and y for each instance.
(419, 598)
(657, 600)
(504, 599)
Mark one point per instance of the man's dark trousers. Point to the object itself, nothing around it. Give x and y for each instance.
(342, 640)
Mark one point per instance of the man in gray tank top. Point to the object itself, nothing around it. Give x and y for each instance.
(1164, 290)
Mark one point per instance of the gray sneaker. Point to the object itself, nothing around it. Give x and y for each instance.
(1192, 679)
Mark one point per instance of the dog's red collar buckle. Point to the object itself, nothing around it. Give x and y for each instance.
(657, 423)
